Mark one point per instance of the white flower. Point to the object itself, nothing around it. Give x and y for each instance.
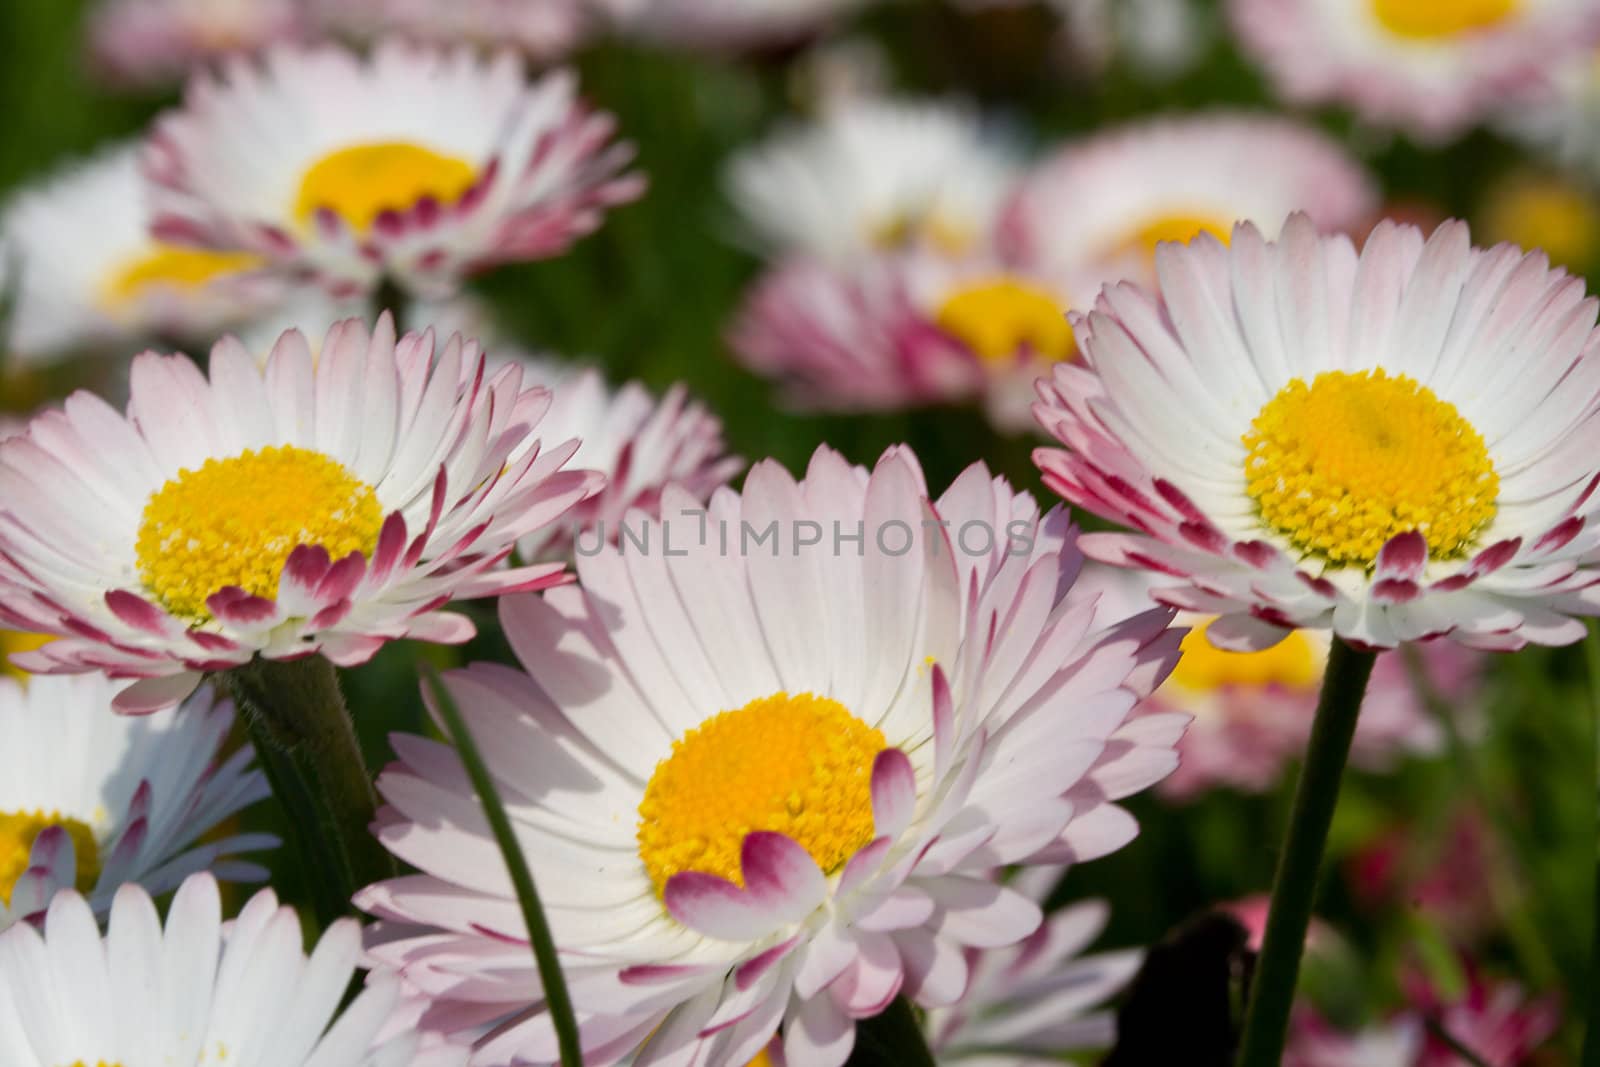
(87, 271)
(1397, 443)
(279, 509)
(194, 994)
(434, 164)
(93, 799)
(767, 784)
(872, 174)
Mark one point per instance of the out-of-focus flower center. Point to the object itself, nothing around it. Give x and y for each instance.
(913, 229)
(12, 641)
(233, 522)
(361, 182)
(763, 1059)
(1535, 211)
(1293, 663)
(796, 765)
(18, 831)
(1430, 20)
(1178, 228)
(1343, 464)
(174, 268)
(96, 1063)
(1002, 318)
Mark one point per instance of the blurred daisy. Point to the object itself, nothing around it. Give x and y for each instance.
(1543, 211)
(87, 271)
(155, 42)
(539, 29)
(435, 164)
(1560, 113)
(281, 509)
(716, 24)
(1161, 38)
(871, 175)
(1430, 67)
(194, 993)
(1495, 1019)
(902, 331)
(1394, 444)
(1171, 179)
(1253, 710)
(640, 442)
(92, 799)
(1028, 1004)
(768, 785)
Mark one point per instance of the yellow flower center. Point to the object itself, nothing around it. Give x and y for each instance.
(800, 766)
(1293, 663)
(96, 1063)
(1002, 318)
(361, 182)
(1175, 227)
(235, 521)
(763, 1059)
(12, 641)
(1433, 20)
(18, 831)
(1535, 211)
(910, 229)
(173, 267)
(1343, 464)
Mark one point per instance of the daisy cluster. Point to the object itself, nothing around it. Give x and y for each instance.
(1122, 452)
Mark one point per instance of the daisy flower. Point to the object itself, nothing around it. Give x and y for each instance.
(195, 992)
(86, 272)
(435, 164)
(1027, 1004)
(1110, 199)
(539, 29)
(1496, 1019)
(906, 330)
(1395, 444)
(640, 442)
(873, 174)
(1560, 113)
(157, 42)
(1253, 710)
(715, 24)
(280, 509)
(769, 782)
(1429, 67)
(92, 799)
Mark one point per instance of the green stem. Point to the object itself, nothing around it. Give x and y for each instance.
(544, 946)
(329, 899)
(1591, 1038)
(304, 735)
(891, 1039)
(1294, 888)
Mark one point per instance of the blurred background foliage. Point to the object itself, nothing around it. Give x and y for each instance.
(649, 297)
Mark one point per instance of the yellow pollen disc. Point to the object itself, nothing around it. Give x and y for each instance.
(800, 766)
(1432, 20)
(96, 1063)
(1293, 663)
(1536, 211)
(361, 182)
(173, 267)
(1179, 228)
(18, 830)
(763, 1059)
(1343, 464)
(235, 521)
(911, 229)
(1001, 319)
